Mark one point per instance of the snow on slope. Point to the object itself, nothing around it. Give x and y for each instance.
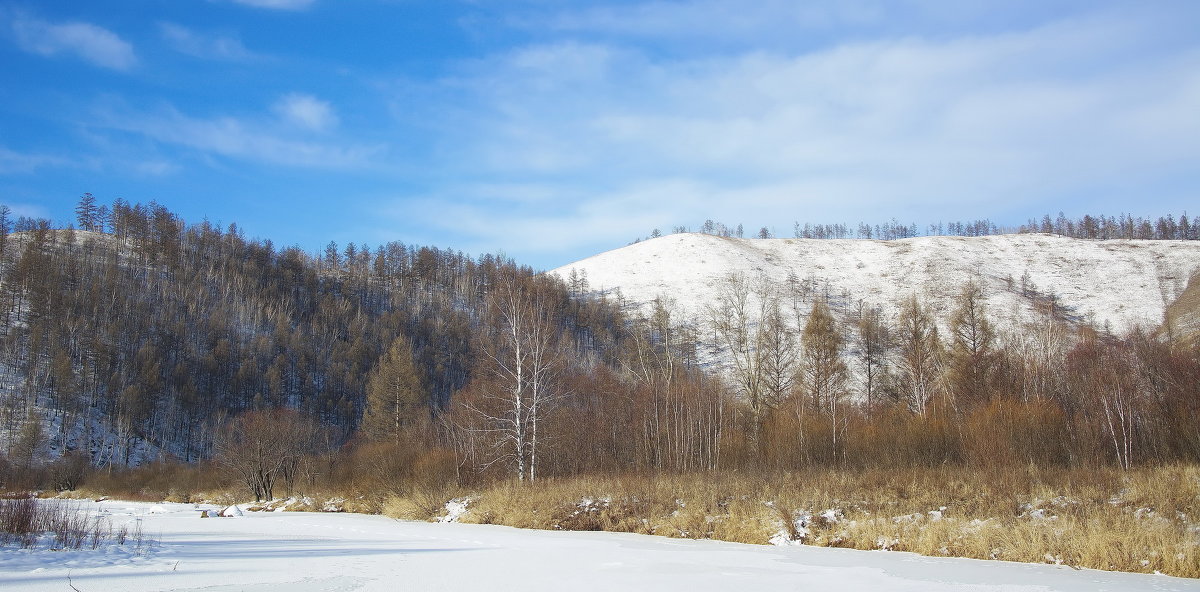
(1120, 284)
(303, 552)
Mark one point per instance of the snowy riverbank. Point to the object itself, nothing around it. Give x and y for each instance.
(305, 552)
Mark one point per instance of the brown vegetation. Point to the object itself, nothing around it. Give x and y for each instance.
(1143, 520)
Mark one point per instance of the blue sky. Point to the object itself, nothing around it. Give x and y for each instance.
(555, 130)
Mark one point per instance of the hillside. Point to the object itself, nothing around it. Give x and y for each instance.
(1115, 284)
(139, 342)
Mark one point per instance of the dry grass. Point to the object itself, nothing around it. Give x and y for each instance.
(26, 520)
(1141, 521)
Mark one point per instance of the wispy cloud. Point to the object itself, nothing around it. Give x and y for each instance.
(247, 139)
(84, 40)
(712, 19)
(12, 162)
(927, 128)
(278, 4)
(306, 111)
(202, 45)
(28, 210)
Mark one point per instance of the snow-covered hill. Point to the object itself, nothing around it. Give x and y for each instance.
(1117, 284)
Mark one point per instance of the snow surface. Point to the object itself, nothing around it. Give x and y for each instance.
(306, 552)
(1118, 283)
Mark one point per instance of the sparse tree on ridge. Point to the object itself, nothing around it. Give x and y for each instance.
(86, 212)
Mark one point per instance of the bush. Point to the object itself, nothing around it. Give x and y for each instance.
(26, 520)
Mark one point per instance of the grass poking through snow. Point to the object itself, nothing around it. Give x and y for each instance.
(1140, 521)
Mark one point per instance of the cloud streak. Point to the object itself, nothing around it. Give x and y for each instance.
(245, 139)
(278, 4)
(89, 42)
(207, 46)
(12, 162)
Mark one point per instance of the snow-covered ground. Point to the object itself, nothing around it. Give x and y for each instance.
(1120, 284)
(305, 552)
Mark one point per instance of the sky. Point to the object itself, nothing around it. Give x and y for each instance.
(550, 131)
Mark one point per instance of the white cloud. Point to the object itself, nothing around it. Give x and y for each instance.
(306, 111)
(918, 128)
(278, 4)
(87, 41)
(208, 46)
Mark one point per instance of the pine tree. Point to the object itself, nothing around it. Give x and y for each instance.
(85, 212)
(396, 398)
(972, 351)
(824, 371)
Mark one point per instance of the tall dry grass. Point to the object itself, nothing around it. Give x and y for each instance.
(25, 521)
(1144, 520)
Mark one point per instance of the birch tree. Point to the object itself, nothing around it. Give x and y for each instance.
(521, 368)
(748, 324)
(919, 353)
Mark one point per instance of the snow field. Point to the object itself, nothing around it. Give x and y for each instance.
(305, 552)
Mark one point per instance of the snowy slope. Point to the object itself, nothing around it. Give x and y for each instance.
(302, 552)
(1118, 284)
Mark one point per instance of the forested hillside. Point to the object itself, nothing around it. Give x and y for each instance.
(136, 334)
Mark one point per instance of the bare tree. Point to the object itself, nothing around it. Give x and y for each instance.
(874, 347)
(521, 371)
(265, 447)
(746, 320)
(918, 359)
(823, 373)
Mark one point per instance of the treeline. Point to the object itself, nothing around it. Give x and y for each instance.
(859, 389)
(1098, 227)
